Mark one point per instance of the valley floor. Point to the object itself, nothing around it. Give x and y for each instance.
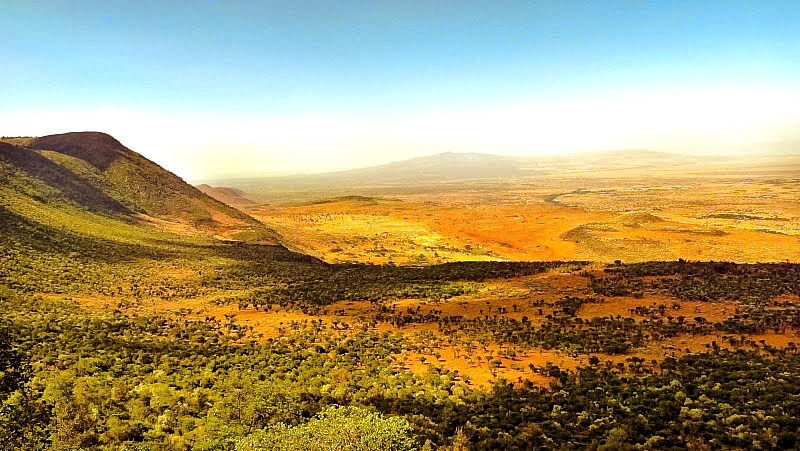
(728, 219)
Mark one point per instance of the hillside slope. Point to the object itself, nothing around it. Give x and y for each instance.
(90, 185)
(89, 215)
(230, 196)
(139, 184)
(33, 174)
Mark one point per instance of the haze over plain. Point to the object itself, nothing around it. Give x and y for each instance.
(224, 89)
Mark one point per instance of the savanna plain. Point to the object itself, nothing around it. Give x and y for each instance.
(627, 300)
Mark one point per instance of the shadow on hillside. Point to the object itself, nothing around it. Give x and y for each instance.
(70, 185)
(35, 237)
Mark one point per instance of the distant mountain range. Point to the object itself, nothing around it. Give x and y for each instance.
(454, 166)
(449, 166)
(449, 170)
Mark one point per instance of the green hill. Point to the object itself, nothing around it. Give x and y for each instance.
(138, 183)
(81, 208)
(30, 173)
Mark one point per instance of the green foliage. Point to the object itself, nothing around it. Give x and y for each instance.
(24, 417)
(322, 285)
(335, 428)
(114, 380)
(703, 281)
(110, 381)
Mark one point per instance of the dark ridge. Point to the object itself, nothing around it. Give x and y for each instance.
(71, 186)
(98, 149)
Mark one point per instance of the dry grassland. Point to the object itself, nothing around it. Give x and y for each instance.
(742, 221)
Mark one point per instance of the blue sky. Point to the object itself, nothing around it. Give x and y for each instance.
(224, 88)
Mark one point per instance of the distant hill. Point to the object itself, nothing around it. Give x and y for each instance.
(443, 166)
(95, 172)
(230, 196)
(428, 169)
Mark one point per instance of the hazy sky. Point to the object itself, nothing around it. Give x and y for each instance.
(226, 88)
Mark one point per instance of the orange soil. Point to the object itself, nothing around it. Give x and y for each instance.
(508, 232)
(622, 306)
(514, 223)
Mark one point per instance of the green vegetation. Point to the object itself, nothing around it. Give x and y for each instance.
(704, 281)
(109, 381)
(94, 171)
(334, 429)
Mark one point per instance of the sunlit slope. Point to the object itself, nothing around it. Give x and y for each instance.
(58, 231)
(229, 196)
(96, 172)
(138, 183)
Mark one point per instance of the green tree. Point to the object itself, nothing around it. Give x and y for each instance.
(335, 428)
(24, 417)
(616, 440)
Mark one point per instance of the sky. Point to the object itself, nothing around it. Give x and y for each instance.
(221, 89)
